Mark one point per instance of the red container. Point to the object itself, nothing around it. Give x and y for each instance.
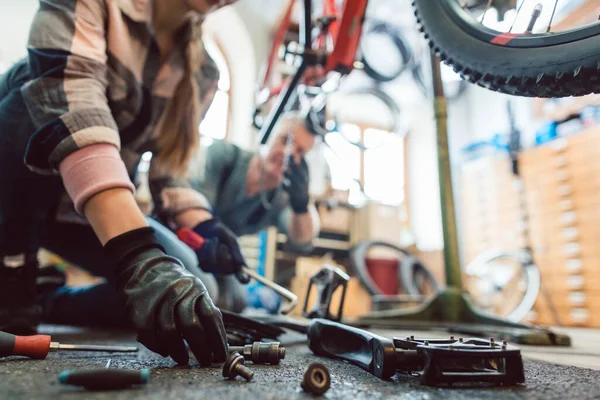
(384, 272)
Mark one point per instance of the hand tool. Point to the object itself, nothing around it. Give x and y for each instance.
(243, 330)
(316, 379)
(261, 353)
(327, 281)
(436, 361)
(195, 241)
(234, 366)
(105, 379)
(283, 292)
(38, 346)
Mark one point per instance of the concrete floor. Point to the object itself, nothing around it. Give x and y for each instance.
(32, 379)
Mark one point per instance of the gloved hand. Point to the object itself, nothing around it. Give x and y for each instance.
(220, 253)
(166, 303)
(297, 186)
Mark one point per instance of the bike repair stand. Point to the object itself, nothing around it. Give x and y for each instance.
(452, 307)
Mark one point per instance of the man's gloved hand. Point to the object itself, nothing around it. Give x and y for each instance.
(166, 303)
(220, 253)
(297, 186)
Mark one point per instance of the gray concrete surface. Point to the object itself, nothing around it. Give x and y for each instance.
(32, 379)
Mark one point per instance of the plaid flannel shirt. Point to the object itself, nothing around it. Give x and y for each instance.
(97, 80)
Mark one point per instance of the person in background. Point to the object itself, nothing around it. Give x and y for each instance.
(249, 191)
(104, 82)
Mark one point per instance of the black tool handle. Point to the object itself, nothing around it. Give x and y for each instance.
(372, 353)
(105, 379)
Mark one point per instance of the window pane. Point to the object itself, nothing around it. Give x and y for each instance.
(213, 51)
(344, 159)
(384, 168)
(214, 124)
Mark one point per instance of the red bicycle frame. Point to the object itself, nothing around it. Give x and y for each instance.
(343, 31)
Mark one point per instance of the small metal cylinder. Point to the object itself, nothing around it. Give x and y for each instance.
(261, 353)
(234, 366)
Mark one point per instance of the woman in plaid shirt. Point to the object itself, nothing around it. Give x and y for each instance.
(104, 82)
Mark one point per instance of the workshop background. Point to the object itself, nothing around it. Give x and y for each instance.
(528, 216)
(551, 200)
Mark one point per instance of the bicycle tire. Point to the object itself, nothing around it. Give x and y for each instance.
(528, 269)
(401, 46)
(547, 68)
(405, 273)
(409, 269)
(393, 107)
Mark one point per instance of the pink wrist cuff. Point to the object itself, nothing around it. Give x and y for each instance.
(92, 170)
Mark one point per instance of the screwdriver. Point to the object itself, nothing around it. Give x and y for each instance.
(38, 346)
(105, 379)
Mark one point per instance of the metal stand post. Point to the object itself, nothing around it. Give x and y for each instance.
(452, 307)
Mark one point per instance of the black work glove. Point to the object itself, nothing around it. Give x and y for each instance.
(296, 185)
(220, 254)
(165, 302)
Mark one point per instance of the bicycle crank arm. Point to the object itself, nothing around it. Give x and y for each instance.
(283, 292)
(374, 354)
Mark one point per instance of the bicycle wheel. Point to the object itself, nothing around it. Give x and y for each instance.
(504, 282)
(554, 64)
(389, 67)
(413, 277)
(381, 99)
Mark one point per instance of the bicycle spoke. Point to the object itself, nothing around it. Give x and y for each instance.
(552, 17)
(489, 4)
(517, 16)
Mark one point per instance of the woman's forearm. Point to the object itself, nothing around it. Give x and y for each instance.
(113, 212)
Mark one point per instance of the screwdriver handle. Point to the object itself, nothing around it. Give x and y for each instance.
(104, 379)
(36, 346)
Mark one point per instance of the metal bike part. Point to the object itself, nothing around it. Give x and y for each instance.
(243, 330)
(472, 360)
(283, 292)
(326, 281)
(371, 352)
(261, 353)
(488, 266)
(308, 58)
(316, 379)
(558, 62)
(435, 361)
(234, 366)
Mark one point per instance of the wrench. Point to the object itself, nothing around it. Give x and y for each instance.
(195, 241)
(283, 292)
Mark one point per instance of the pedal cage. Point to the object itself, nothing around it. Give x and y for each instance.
(470, 360)
(327, 281)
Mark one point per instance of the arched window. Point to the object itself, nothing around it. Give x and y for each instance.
(215, 123)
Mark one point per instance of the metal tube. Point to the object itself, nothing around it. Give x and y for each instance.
(283, 292)
(306, 26)
(55, 346)
(276, 112)
(451, 256)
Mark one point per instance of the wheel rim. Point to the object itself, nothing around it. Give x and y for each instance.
(482, 269)
(516, 40)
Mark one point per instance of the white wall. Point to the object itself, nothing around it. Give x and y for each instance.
(234, 39)
(15, 20)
